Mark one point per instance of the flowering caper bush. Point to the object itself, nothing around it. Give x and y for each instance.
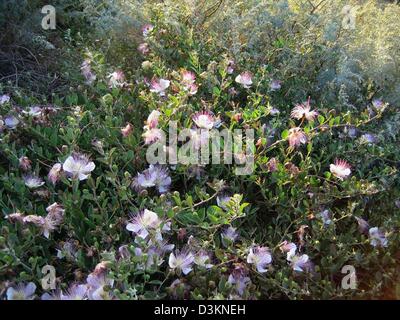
(319, 185)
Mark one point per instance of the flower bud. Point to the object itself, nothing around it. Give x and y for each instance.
(127, 130)
(146, 65)
(25, 164)
(175, 209)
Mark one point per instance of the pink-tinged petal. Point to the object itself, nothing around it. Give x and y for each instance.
(127, 130)
(152, 120)
(303, 110)
(159, 86)
(296, 137)
(55, 173)
(143, 48)
(152, 135)
(204, 119)
(188, 77)
(147, 29)
(245, 79)
(340, 169)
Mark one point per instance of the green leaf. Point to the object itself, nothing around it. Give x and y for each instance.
(216, 91)
(72, 99)
(309, 147)
(285, 134)
(328, 175)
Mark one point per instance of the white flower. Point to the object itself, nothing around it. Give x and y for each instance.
(35, 111)
(204, 119)
(4, 99)
(144, 223)
(245, 79)
(146, 29)
(260, 257)
(368, 138)
(188, 81)
(288, 247)
(116, 79)
(97, 284)
(55, 173)
(274, 111)
(49, 223)
(24, 163)
(154, 176)
(377, 238)
(182, 261)
(78, 166)
(68, 250)
(159, 86)
(33, 182)
(192, 89)
(349, 131)
(230, 66)
(56, 211)
(188, 77)
(340, 169)
(36, 220)
(379, 105)
(296, 137)
(152, 119)
(146, 65)
(51, 296)
(155, 252)
(239, 279)
(229, 236)
(143, 48)
(11, 122)
(21, 292)
(146, 179)
(15, 217)
(87, 73)
(363, 225)
(163, 180)
(275, 85)
(299, 263)
(124, 252)
(75, 292)
(326, 217)
(223, 200)
(201, 259)
(303, 110)
(152, 135)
